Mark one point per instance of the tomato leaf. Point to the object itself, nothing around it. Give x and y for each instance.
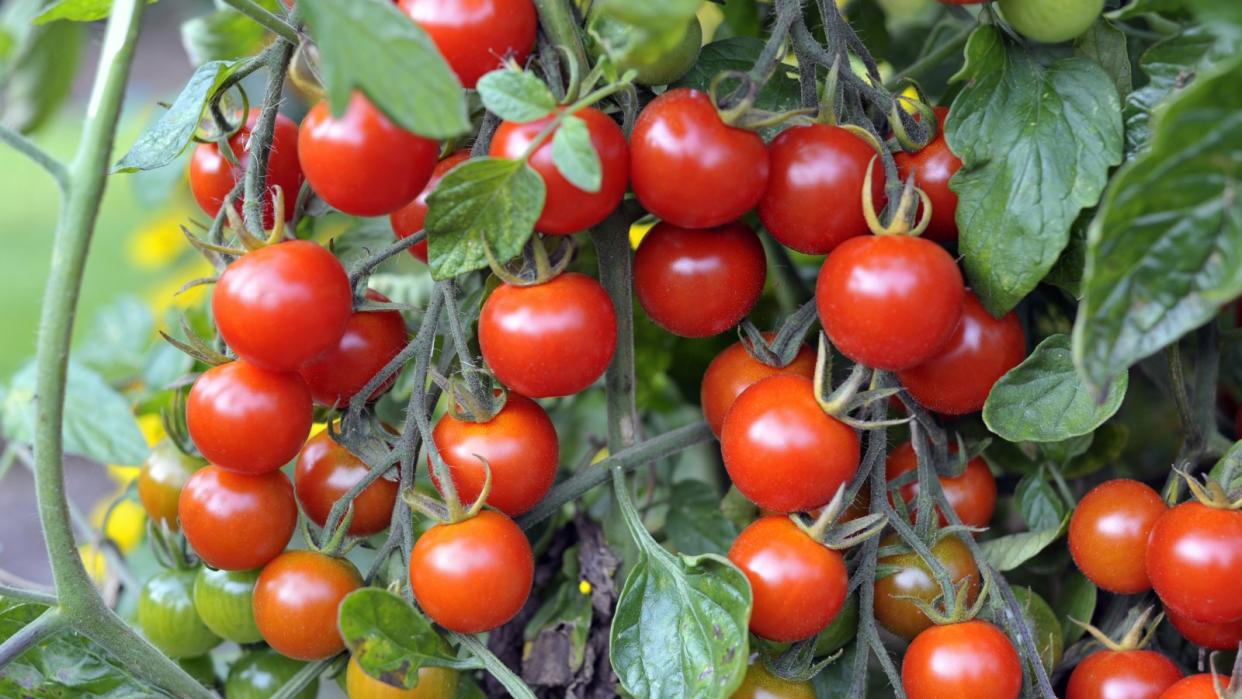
(1010, 551)
(1231, 462)
(39, 69)
(482, 203)
(1076, 601)
(1043, 399)
(370, 45)
(1038, 502)
(1106, 446)
(1106, 45)
(164, 140)
(515, 95)
(1169, 65)
(1036, 142)
(575, 156)
(115, 344)
(1164, 253)
(390, 639)
(779, 93)
(696, 524)
(223, 35)
(77, 10)
(1141, 7)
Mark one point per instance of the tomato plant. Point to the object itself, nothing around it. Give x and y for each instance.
(326, 470)
(235, 521)
(212, 176)
(1132, 673)
(1196, 687)
(933, 166)
(1051, 21)
(295, 603)
(972, 494)
(371, 340)
(967, 659)
(912, 580)
(734, 370)
(1190, 548)
(762, 684)
(408, 220)
(261, 672)
(161, 479)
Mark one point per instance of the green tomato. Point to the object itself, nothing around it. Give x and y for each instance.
(201, 669)
(223, 599)
(261, 673)
(654, 64)
(842, 629)
(167, 616)
(1044, 625)
(1051, 21)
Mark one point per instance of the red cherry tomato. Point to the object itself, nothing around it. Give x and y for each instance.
(1196, 687)
(296, 600)
(699, 283)
(326, 470)
(237, 522)
(282, 305)
(1223, 636)
(1130, 674)
(959, 377)
(371, 339)
(248, 420)
(690, 168)
(933, 167)
(972, 495)
(970, 659)
(889, 302)
(782, 450)
(551, 339)
(812, 165)
(1192, 549)
(519, 445)
(163, 475)
(567, 209)
(474, 36)
(798, 583)
(360, 162)
(408, 220)
(212, 177)
(1108, 534)
(474, 575)
(913, 579)
(734, 370)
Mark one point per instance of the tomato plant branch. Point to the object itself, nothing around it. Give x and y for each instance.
(932, 60)
(45, 625)
(469, 369)
(304, 676)
(379, 257)
(38, 156)
(23, 594)
(511, 682)
(616, 262)
(269, 21)
(558, 21)
(260, 146)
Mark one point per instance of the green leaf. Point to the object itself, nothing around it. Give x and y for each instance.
(680, 627)
(116, 342)
(1140, 7)
(370, 45)
(1110, 439)
(482, 203)
(1164, 253)
(575, 156)
(1106, 45)
(1231, 461)
(557, 634)
(164, 140)
(1076, 601)
(1036, 142)
(223, 35)
(1038, 502)
(696, 524)
(1010, 551)
(77, 11)
(515, 95)
(390, 639)
(99, 422)
(1043, 399)
(40, 70)
(1169, 65)
(779, 93)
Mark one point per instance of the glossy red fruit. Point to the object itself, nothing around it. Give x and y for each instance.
(475, 36)
(690, 168)
(296, 600)
(1222, 636)
(798, 584)
(972, 495)
(734, 370)
(409, 219)
(1192, 549)
(551, 339)
(371, 339)
(814, 197)
(566, 208)
(519, 445)
(1108, 534)
(783, 452)
(212, 177)
(236, 522)
(326, 470)
(970, 659)
(982, 349)
(361, 163)
(699, 282)
(890, 302)
(1197, 687)
(933, 167)
(248, 420)
(1130, 674)
(474, 575)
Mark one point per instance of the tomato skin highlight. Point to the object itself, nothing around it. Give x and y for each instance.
(433, 683)
(1201, 686)
(371, 339)
(783, 452)
(163, 475)
(361, 163)
(212, 177)
(812, 166)
(552, 339)
(1193, 548)
(248, 420)
(969, 659)
(237, 522)
(982, 349)
(915, 579)
(972, 495)
(409, 219)
(933, 167)
(890, 302)
(1131, 674)
(699, 282)
(282, 305)
(520, 446)
(798, 584)
(1108, 534)
(474, 36)
(474, 575)
(326, 470)
(690, 168)
(566, 208)
(734, 370)
(296, 600)
(224, 601)
(1222, 636)
(167, 616)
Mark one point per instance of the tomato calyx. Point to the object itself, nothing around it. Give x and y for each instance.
(451, 510)
(196, 347)
(957, 608)
(906, 219)
(740, 111)
(535, 265)
(215, 127)
(847, 397)
(925, 121)
(838, 536)
(1210, 492)
(1136, 637)
(478, 397)
(778, 349)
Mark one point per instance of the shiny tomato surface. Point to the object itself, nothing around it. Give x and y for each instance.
(237, 522)
(734, 370)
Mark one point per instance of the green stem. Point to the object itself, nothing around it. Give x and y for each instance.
(931, 60)
(558, 21)
(21, 594)
(1181, 398)
(616, 261)
(40, 157)
(30, 635)
(268, 20)
(257, 195)
(304, 676)
(494, 666)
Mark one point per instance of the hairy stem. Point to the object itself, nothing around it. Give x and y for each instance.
(30, 635)
(268, 20)
(37, 155)
(257, 196)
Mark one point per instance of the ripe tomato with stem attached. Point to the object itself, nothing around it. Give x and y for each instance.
(371, 340)
(913, 579)
(409, 219)
(1133, 674)
(967, 659)
(212, 177)
(163, 475)
(327, 470)
(433, 683)
(237, 522)
(933, 167)
(1108, 534)
(734, 370)
(972, 495)
(1192, 548)
(699, 282)
(475, 36)
(296, 600)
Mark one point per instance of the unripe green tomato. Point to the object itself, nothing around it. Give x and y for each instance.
(261, 673)
(201, 669)
(223, 599)
(1051, 21)
(663, 67)
(167, 616)
(1044, 625)
(842, 629)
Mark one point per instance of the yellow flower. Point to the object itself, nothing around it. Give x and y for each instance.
(152, 428)
(95, 561)
(637, 232)
(164, 294)
(126, 524)
(584, 587)
(159, 242)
